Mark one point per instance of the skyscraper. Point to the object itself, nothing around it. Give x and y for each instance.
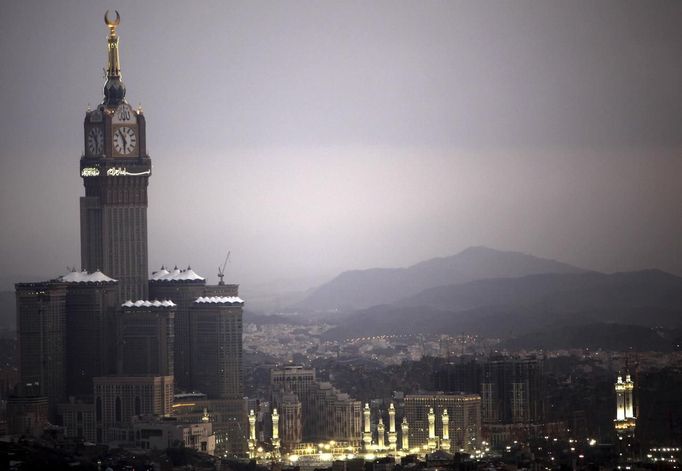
(93, 335)
(41, 328)
(216, 333)
(511, 391)
(115, 169)
(144, 338)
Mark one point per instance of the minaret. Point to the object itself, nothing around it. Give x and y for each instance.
(432, 429)
(115, 169)
(445, 442)
(629, 405)
(620, 399)
(625, 421)
(392, 435)
(252, 434)
(367, 434)
(380, 434)
(405, 428)
(275, 431)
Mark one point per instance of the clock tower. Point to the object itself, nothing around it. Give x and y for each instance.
(115, 169)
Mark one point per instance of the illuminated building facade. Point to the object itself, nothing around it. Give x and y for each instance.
(425, 415)
(291, 426)
(327, 413)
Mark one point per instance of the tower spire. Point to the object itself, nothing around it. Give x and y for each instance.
(114, 89)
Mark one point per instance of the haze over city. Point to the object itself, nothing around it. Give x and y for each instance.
(310, 138)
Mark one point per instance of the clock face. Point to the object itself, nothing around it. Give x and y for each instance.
(124, 140)
(95, 141)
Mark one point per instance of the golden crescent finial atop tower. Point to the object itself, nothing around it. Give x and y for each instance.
(112, 24)
(114, 90)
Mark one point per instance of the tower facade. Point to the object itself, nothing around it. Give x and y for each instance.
(144, 335)
(41, 328)
(115, 169)
(216, 339)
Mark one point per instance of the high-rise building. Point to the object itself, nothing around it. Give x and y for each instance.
(294, 379)
(144, 338)
(115, 169)
(93, 336)
(41, 328)
(462, 376)
(90, 303)
(327, 413)
(184, 287)
(216, 354)
(511, 391)
(425, 413)
(290, 421)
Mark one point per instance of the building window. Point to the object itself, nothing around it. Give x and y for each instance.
(98, 409)
(118, 409)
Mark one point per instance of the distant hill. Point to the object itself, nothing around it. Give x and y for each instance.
(561, 293)
(513, 307)
(360, 289)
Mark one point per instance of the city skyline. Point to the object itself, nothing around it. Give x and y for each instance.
(353, 136)
(478, 360)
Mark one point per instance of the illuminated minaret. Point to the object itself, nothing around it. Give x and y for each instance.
(629, 403)
(380, 434)
(392, 435)
(275, 431)
(367, 434)
(445, 442)
(620, 399)
(252, 434)
(405, 428)
(625, 418)
(432, 429)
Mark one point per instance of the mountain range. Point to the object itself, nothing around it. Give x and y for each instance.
(521, 298)
(511, 307)
(360, 289)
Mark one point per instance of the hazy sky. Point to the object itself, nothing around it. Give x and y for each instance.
(310, 137)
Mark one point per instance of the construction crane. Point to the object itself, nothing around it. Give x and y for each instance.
(221, 271)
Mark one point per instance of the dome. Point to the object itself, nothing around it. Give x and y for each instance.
(114, 92)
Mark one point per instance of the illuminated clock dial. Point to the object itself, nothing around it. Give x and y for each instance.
(95, 141)
(124, 140)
